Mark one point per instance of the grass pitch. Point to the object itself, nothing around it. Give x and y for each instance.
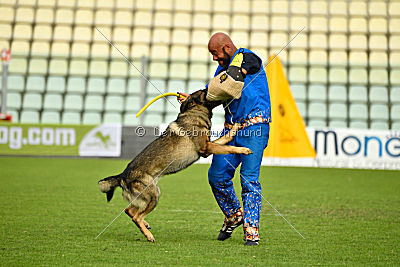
(51, 210)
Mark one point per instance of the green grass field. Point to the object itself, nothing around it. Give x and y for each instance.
(51, 210)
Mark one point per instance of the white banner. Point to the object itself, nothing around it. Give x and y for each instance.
(104, 140)
(346, 148)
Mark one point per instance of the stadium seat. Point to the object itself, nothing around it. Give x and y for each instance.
(198, 37)
(132, 104)
(59, 49)
(80, 50)
(318, 75)
(198, 71)
(179, 52)
(29, 116)
(112, 117)
(379, 112)
(18, 66)
(198, 53)
(100, 50)
(15, 83)
(161, 36)
(84, 17)
(119, 68)
(358, 111)
(152, 119)
(317, 110)
(379, 125)
(337, 41)
(180, 36)
(73, 102)
(96, 86)
(76, 85)
(318, 57)
(44, 15)
(42, 33)
(378, 59)
(358, 8)
(38, 66)
(78, 67)
(93, 103)
(201, 21)
(158, 70)
(116, 86)
(298, 91)
(395, 125)
(377, 8)
(258, 39)
(7, 14)
(98, 68)
(337, 76)
(337, 111)
(395, 94)
(301, 106)
(358, 94)
(130, 119)
(14, 115)
(32, 101)
(317, 92)
(337, 124)
(50, 117)
(221, 21)
(62, 33)
(103, 17)
(52, 102)
(5, 31)
(40, 48)
(91, 118)
(358, 25)
(163, 19)
(24, 14)
(114, 103)
(56, 84)
(395, 77)
(358, 76)
(20, 48)
(134, 86)
(64, 16)
(13, 101)
(69, 117)
(58, 67)
(143, 18)
(178, 71)
(297, 74)
(378, 77)
(358, 125)
(378, 94)
(316, 123)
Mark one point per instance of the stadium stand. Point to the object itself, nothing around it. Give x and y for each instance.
(344, 69)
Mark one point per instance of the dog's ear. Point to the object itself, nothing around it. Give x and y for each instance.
(186, 104)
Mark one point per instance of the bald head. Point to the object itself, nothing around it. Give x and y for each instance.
(221, 48)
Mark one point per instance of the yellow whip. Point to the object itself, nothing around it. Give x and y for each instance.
(154, 100)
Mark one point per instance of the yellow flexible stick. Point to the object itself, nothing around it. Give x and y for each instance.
(154, 100)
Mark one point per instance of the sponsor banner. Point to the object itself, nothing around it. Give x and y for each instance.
(348, 148)
(62, 140)
(356, 148)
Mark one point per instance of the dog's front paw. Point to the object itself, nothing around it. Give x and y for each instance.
(246, 151)
(151, 239)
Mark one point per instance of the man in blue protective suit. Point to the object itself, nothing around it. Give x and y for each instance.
(251, 108)
(240, 81)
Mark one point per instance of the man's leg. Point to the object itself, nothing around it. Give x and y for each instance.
(220, 177)
(256, 138)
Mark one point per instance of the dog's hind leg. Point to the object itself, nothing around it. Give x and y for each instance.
(138, 219)
(131, 211)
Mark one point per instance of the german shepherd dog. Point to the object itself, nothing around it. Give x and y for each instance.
(182, 143)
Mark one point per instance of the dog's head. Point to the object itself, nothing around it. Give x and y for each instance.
(198, 98)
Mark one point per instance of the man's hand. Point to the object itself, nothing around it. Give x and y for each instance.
(182, 97)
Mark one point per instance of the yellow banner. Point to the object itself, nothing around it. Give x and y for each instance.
(288, 136)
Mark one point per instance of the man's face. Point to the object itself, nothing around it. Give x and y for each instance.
(220, 55)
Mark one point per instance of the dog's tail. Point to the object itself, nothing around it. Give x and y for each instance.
(107, 185)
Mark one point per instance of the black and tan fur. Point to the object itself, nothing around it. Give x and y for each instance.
(183, 142)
